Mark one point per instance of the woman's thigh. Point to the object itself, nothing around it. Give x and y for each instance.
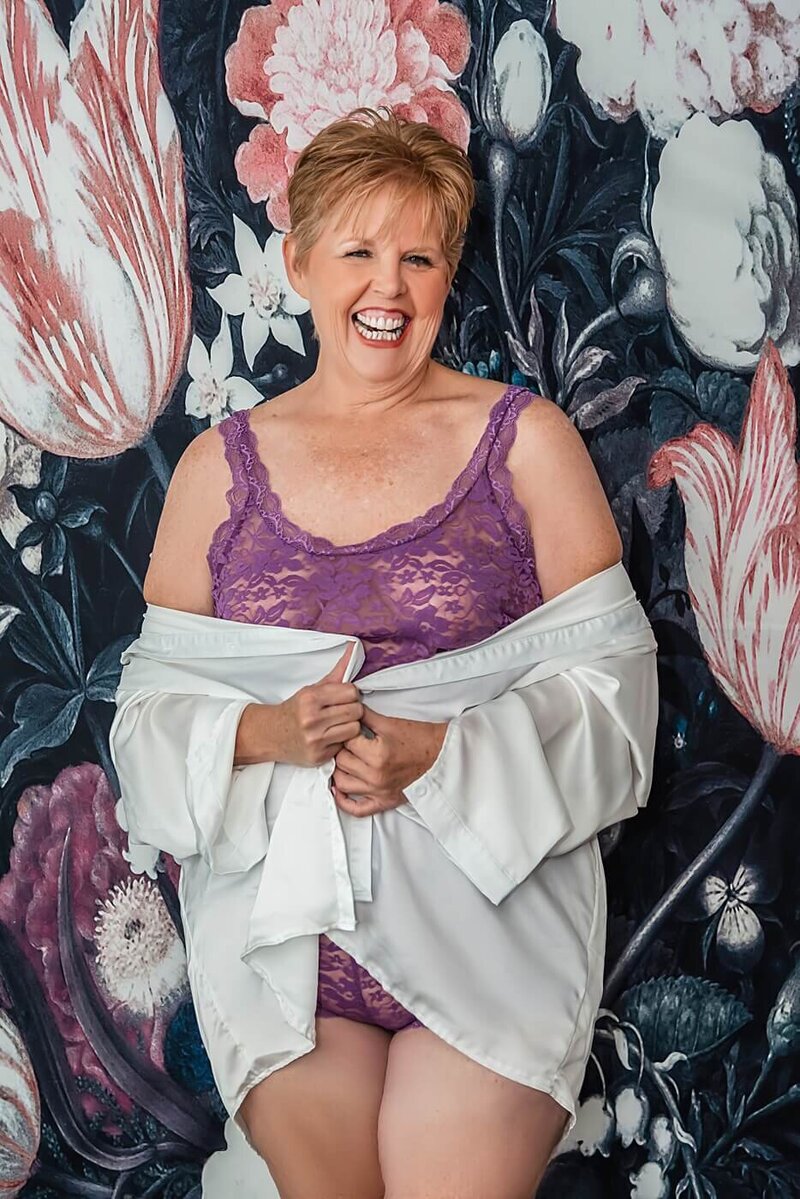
(450, 1128)
(315, 1121)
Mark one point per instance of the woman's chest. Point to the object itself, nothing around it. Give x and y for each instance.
(346, 486)
(458, 583)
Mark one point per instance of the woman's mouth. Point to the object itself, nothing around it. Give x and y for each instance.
(391, 334)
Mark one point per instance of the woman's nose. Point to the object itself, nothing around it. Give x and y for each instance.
(388, 279)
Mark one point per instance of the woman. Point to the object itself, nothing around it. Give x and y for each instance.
(394, 499)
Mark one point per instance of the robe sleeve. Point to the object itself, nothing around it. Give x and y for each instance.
(180, 791)
(542, 768)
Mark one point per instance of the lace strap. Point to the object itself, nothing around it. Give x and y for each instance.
(499, 475)
(237, 438)
(241, 456)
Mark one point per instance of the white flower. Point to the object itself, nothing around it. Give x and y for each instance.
(662, 1141)
(213, 391)
(725, 223)
(140, 958)
(669, 60)
(237, 1170)
(261, 294)
(648, 1183)
(739, 936)
(632, 1110)
(594, 1128)
(520, 85)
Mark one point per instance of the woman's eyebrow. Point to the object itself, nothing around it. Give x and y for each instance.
(367, 241)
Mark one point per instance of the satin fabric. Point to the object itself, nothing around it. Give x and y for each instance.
(479, 903)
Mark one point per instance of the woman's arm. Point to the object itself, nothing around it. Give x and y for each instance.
(178, 575)
(195, 504)
(258, 735)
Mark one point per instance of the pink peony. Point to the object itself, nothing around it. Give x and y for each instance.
(301, 64)
(103, 892)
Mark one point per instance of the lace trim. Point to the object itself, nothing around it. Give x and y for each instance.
(235, 438)
(514, 514)
(268, 503)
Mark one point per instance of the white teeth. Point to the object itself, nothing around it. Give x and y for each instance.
(381, 328)
(381, 322)
(382, 334)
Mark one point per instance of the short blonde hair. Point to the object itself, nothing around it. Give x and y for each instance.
(371, 149)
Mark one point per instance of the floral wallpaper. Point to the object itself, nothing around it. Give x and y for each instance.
(634, 256)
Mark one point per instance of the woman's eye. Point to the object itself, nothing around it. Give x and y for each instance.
(415, 258)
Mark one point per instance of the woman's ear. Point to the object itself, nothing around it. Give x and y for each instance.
(295, 274)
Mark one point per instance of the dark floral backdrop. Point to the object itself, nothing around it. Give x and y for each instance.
(634, 256)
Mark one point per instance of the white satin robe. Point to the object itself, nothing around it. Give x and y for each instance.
(479, 903)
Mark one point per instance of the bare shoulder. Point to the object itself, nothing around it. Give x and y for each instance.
(574, 532)
(195, 504)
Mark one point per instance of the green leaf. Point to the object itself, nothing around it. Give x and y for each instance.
(45, 717)
(684, 1015)
(103, 677)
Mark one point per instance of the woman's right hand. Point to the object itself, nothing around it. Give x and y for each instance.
(313, 724)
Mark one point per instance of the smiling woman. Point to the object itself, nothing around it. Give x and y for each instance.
(361, 248)
(392, 500)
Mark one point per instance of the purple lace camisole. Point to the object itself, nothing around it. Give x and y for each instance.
(447, 579)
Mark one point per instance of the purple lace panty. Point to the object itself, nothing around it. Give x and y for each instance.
(347, 989)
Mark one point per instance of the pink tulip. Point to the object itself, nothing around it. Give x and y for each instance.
(94, 288)
(742, 551)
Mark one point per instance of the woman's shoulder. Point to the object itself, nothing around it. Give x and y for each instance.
(467, 400)
(555, 481)
(474, 390)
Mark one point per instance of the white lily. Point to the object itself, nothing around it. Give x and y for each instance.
(261, 294)
(213, 391)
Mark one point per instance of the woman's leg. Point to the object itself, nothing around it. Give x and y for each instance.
(315, 1121)
(450, 1128)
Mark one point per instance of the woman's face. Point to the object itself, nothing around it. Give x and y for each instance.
(376, 299)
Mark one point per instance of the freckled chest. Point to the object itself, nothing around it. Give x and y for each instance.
(348, 490)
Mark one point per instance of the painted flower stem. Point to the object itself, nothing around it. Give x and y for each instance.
(76, 612)
(695, 871)
(675, 1115)
(665, 594)
(761, 1113)
(600, 322)
(158, 462)
(502, 166)
(125, 564)
(769, 1062)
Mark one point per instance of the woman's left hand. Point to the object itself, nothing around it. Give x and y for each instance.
(377, 768)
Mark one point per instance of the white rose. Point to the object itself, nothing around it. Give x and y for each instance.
(725, 223)
(667, 61)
